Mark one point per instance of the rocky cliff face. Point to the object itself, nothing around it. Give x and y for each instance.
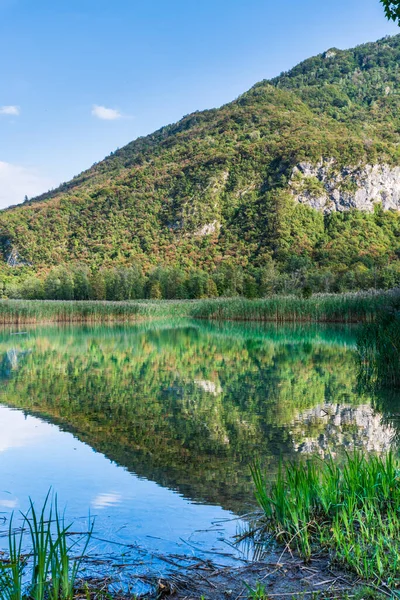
(328, 188)
(11, 254)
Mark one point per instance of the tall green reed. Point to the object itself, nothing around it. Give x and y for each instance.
(42, 566)
(350, 511)
(341, 308)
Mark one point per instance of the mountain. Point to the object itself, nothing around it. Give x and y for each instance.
(298, 179)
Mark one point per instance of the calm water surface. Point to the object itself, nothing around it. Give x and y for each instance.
(152, 427)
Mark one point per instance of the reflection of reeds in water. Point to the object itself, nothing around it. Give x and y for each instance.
(379, 351)
(47, 570)
(349, 510)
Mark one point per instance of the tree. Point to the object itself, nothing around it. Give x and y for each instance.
(82, 289)
(59, 284)
(392, 9)
(155, 291)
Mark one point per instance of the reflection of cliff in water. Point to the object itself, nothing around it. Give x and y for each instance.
(192, 406)
(10, 362)
(333, 428)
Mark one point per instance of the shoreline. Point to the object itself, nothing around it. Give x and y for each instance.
(279, 575)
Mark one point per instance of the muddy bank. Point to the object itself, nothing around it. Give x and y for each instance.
(279, 577)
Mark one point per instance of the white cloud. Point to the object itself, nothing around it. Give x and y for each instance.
(12, 111)
(16, 182)
(106, 114)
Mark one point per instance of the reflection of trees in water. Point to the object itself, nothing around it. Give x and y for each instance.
(189, 407)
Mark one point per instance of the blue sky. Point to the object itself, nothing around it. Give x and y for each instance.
(80, 78)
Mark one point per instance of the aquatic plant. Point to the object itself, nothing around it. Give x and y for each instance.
(349, 510)
(87, 311)
(44, 569)
(355, 307)
(341, 308)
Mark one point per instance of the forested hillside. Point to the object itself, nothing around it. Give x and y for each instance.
(293, 186)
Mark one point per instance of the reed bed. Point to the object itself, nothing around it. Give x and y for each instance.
(42, 311)
(321, 308)
(350, 511)
(89, 311)
(328, 308)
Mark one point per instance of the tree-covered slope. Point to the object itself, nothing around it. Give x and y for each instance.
(225, 189)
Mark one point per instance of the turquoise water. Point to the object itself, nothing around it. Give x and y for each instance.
(151, 428)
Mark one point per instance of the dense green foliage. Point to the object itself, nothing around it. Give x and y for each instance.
(349, 510)
(173, 283)
(203, 207)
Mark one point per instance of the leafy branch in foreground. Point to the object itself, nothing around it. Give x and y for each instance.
(392, 9)
(46, 569)
(349, 511)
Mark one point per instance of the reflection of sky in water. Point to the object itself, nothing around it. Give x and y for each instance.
(36, 456)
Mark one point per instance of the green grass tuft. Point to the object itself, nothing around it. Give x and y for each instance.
(46, 569)
(350, 511)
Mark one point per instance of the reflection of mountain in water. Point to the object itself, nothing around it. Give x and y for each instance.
(334, 428)
(192, 406)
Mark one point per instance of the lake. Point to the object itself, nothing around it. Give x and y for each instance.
(151, 428)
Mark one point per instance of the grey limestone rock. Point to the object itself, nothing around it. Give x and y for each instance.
(328, 188)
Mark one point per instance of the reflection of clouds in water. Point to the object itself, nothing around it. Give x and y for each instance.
(8, 503)
(106, 500)
(18, 431)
